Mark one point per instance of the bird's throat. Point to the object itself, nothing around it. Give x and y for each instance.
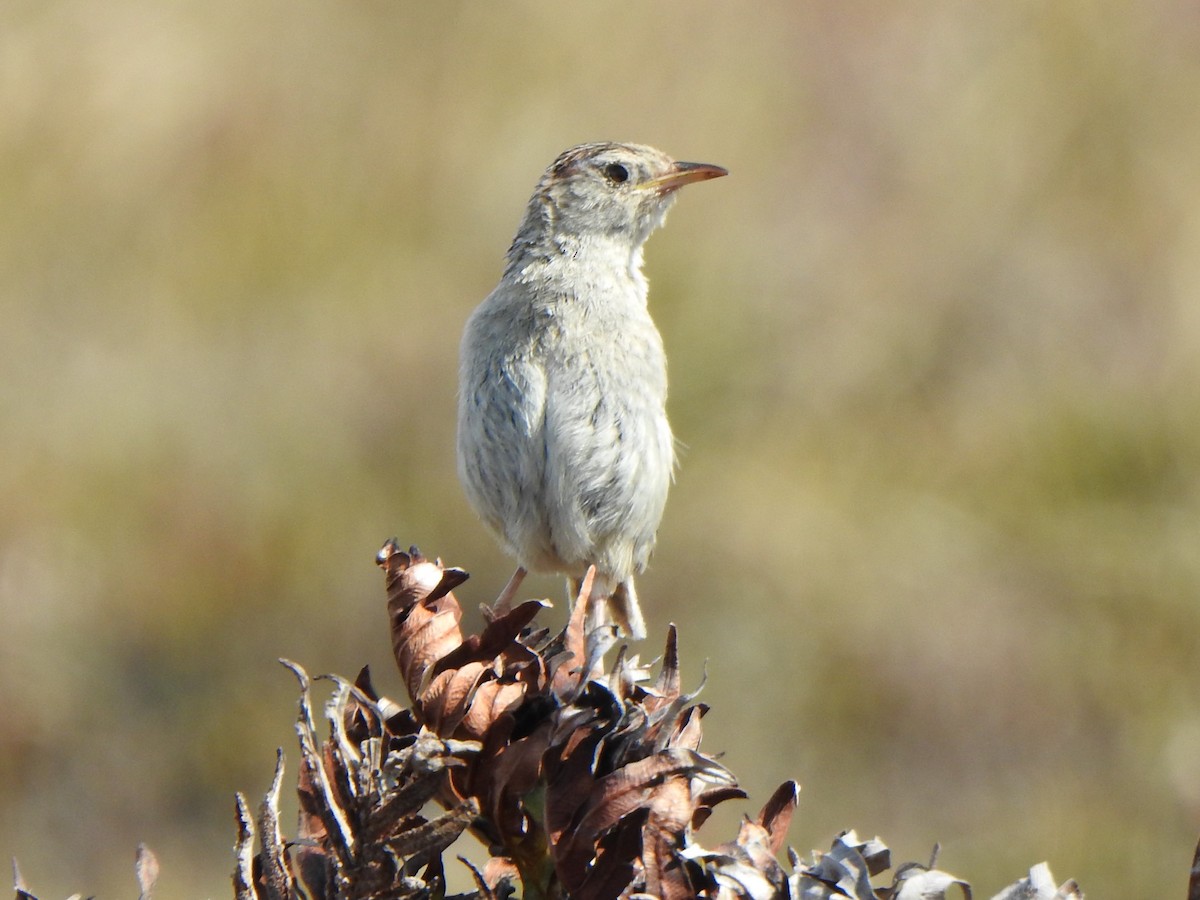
(602, 264)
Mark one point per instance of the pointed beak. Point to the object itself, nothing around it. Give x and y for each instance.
(682, 173)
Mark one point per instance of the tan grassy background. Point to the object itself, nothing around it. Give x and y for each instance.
(935, 350)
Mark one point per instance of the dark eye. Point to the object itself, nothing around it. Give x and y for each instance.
(616, 173)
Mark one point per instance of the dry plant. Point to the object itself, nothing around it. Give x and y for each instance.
(583, 780)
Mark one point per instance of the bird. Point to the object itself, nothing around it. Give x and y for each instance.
(563, 445)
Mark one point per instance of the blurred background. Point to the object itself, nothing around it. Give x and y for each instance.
(935, 356)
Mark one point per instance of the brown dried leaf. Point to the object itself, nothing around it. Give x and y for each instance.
(667, 687)
(405, 803)
(664, 873)
(429, 839)
(311, 825)
(569, 659)
(424, 614)
(444, 702)
(498, 636)
(616, 796)
(409, 576)
(513, 771)
(490, 701)
(706, 801)
(570, 777)
(615, 867)
(776, 815)
(421, 636)
(687, 732)
(670, 805)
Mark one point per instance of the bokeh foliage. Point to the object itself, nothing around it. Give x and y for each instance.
(935, 348)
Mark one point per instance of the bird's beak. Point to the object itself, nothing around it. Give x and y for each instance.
(682, 173)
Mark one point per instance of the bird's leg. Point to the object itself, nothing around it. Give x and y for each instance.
(597, 614)
(625, 610)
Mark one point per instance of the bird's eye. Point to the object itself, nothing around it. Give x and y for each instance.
(616, 173)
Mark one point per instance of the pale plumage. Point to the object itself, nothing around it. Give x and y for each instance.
(564, 448)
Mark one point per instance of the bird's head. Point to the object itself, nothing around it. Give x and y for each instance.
(621, 191)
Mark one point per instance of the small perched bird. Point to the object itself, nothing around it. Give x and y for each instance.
(564, 448)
